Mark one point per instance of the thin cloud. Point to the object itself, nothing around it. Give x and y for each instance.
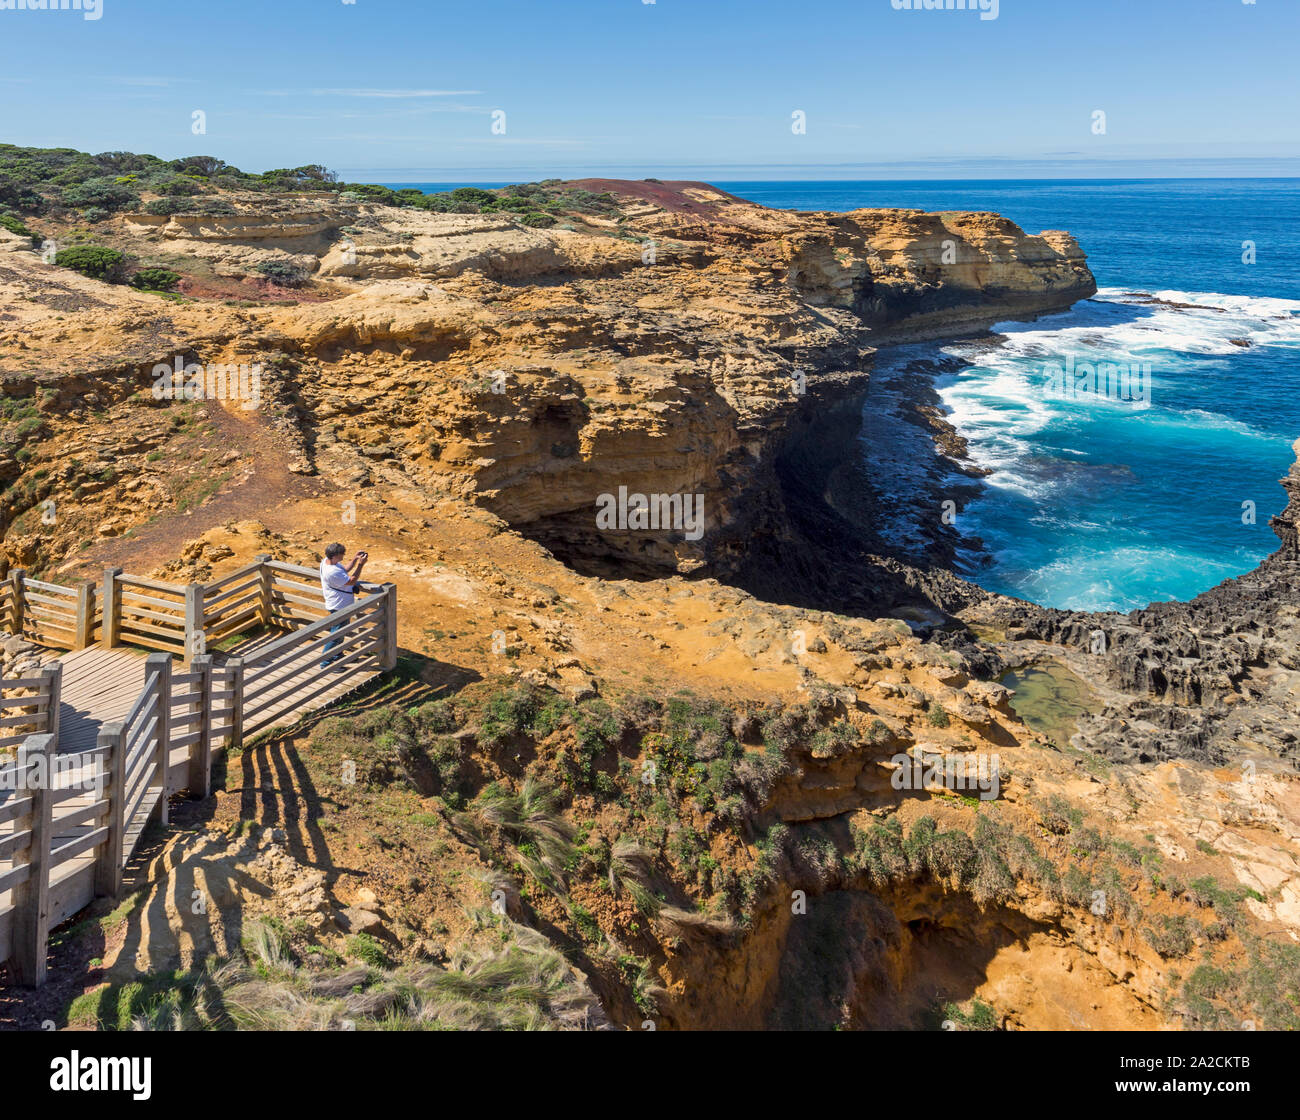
(152, 82)
(457, 145)
(396, 93)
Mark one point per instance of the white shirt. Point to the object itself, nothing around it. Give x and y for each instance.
(337, 585)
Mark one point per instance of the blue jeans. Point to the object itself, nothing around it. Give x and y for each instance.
(331, 645)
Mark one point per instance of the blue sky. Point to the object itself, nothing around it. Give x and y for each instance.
(406, 89)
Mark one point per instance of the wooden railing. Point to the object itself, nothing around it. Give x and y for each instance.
(29, 705)
(67, 841)
(308, 662)
(293, 595)
(58, 812)
(26, 816)
(144, 612)
(233, 603)
(177, 618)
(145, 740)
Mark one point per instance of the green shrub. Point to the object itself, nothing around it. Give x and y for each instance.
(181, 185)
(508, 712)
(363, 947)
(102, 192)
(283, 273)
(1175, 938)
(13, 225)
(473, 195)
(878, 733)
(1059, 816)
(212, 207)
(981, 1016)
(833, 741)
(155, 279)
(96, 261)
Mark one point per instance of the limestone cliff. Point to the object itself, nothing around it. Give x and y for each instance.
(536, 369)
(457, 390)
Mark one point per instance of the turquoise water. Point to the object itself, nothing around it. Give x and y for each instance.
(1095, 502)
(1101, 503)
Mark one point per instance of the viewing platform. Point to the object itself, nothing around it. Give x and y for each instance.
(144, 681)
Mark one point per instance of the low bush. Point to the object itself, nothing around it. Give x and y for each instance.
(155, 279)
(96, 261)
(13, 225)
(283, 273)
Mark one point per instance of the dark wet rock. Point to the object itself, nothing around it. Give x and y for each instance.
(1207, 677)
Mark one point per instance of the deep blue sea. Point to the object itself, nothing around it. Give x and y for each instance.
(1158, 480)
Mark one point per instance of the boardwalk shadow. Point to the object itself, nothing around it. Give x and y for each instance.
(277, 789)
(185, 891)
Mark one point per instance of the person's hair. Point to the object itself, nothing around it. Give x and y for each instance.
(333, 550)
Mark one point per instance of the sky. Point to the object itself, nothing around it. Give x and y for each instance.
(425, 90)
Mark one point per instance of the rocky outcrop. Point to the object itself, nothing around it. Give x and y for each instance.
(1186, 668)
(548, 368)
(1287, 523)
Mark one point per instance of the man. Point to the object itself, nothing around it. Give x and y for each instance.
(339, 582)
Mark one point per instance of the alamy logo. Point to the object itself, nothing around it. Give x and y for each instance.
(954, 772)
(102, 1075)
(681, 512)
(197, 382)
(988, 9)
(89, 9)
(1121, 382)
(51, 771)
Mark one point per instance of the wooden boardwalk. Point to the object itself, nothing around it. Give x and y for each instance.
(284, 701)
(108, 732)
(99, 686)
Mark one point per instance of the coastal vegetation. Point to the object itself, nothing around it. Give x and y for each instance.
(63, 181)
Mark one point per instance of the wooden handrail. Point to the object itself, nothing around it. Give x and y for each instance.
(177, 589)
(275, 648)
(165, 743)
(217, 584)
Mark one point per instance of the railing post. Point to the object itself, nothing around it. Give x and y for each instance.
(17, 576)
(388, 657)
(200, 783)
(112, 596)
(195, 637)
(266, 604)
(236, 667)
(162, 664)
(85, 626)
(31, 916)
(53, 675)
(108, 867)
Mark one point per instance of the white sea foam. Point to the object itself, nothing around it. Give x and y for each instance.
(1042, 488)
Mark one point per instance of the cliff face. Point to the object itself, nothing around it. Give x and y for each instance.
(666, 351)
(564, 367)
(445, 378)
(909, 274)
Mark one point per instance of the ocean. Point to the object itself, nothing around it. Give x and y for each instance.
(1159, 482)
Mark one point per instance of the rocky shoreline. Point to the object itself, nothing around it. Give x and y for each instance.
(1206, 679)
(456, 391)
